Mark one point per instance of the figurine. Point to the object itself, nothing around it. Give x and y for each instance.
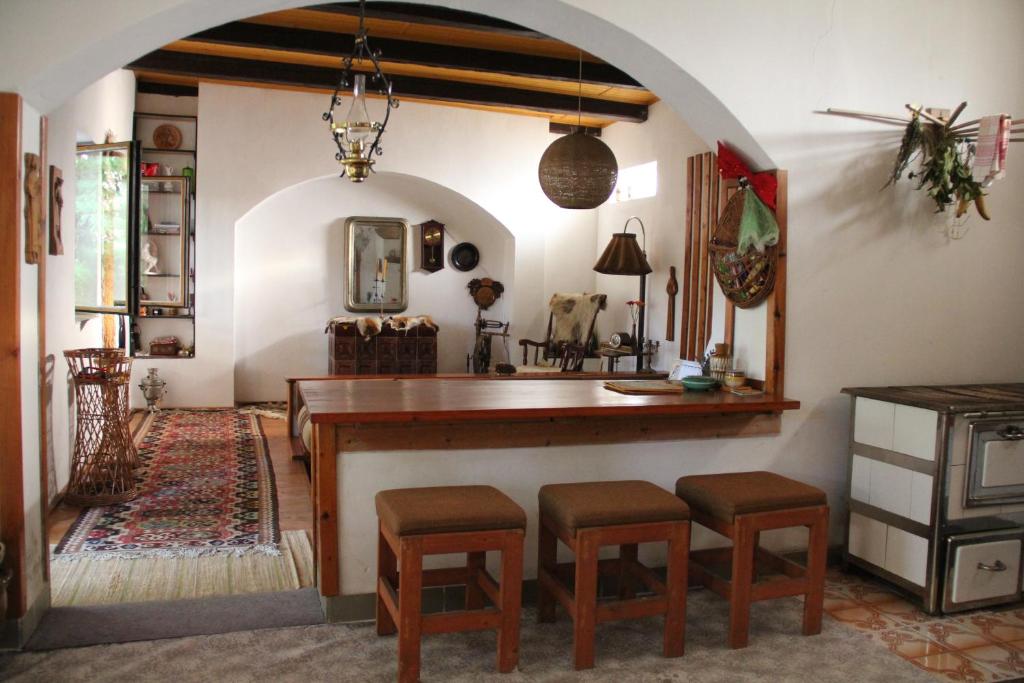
(149, 259)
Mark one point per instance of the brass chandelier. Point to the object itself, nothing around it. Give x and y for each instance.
(358, 136)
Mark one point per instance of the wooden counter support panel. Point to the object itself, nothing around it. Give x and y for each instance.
(325, 508)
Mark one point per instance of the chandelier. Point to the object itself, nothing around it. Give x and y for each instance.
(357, 135)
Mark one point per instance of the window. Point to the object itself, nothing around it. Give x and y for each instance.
(637, 182)
(102, 226)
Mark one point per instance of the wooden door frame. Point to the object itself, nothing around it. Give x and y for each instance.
(12, 494)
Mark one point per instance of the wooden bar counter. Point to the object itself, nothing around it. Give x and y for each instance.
(372, 434)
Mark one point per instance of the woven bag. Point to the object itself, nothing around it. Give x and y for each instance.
(746, 279)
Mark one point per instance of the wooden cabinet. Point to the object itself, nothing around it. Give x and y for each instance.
(390, 352)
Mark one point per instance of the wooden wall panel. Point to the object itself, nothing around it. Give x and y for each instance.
(12, 503)
(702, 207)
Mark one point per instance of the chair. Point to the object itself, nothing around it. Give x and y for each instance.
(740, 506)
(570, 328)
(588, 515)
(441, 520)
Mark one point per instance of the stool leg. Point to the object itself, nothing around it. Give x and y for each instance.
(817, 549)
(739, 587)
(387, 568)
(585, 599)
(510, 595)
(547, 558)
(475, 562)
(410, 621)
(675, 585)
(627, 556)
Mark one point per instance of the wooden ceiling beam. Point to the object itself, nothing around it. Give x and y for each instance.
(409, 52)
(320, 78)
(434, 16)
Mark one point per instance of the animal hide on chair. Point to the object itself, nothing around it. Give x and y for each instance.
(573, 315)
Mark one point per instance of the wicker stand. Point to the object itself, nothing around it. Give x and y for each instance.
(101, 471)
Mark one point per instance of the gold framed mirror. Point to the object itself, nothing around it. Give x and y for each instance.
(376, 264)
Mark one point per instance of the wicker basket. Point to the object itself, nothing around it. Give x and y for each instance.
(746, 279)
(104, 457)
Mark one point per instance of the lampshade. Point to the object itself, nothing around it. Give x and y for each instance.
(578, 171)
(623, 256)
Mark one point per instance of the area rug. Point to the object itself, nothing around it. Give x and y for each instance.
(89, 582)
(626, 651)
(206, 486)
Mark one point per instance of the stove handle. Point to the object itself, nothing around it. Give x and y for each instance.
(1011, 433)
(997, 567)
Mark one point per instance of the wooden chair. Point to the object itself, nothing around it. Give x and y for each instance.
(437, 521)
(740, 506)
(567, 340)
(586, 516)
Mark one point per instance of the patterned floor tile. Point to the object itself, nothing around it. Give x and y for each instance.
(995, 626)
(903, 611)
(954, 635)
(952, 666)
(907, 642)
(866, 619)
(1005, 661)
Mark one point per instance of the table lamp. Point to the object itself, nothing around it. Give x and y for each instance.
(623, 256)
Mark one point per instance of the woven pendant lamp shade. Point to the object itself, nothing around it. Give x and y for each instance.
(578, 171)
(623, 256)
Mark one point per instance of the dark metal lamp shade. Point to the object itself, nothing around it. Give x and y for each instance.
(578, 171)
(623, 256)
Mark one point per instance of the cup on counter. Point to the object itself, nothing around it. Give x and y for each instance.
(735, 379)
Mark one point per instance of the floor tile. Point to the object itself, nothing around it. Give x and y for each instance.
(906, 642)
(996, 626)
(866, 619)
(1003, 660)
(903, 611)
(952, 666)
(954, 635)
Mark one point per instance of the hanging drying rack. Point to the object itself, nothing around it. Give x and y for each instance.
(967, 131)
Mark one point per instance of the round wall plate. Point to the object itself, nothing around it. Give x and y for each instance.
(465, 257)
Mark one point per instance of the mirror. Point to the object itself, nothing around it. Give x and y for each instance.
(376, 264)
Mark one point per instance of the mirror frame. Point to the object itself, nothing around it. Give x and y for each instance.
(350, 270)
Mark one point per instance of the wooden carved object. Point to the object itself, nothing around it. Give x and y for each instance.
(485, 291)
(56, 208)
(672, 288)
(33, 209)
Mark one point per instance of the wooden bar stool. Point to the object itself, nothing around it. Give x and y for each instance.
(586, 516)
(741, 505)
(436, 521)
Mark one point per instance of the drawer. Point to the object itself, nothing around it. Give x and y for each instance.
(983, 568)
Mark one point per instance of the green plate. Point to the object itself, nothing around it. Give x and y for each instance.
(699, 383)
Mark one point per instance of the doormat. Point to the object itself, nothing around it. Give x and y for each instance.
(206, 486)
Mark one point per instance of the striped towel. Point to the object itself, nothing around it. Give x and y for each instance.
(990, 153)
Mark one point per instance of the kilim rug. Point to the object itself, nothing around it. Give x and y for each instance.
(206, 486)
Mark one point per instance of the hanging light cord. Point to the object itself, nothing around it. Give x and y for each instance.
(579, 98)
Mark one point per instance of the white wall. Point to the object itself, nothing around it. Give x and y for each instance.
(254, 143)
(289, 282)
(105, 105)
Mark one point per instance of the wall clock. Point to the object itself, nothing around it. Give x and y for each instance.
(432, 246)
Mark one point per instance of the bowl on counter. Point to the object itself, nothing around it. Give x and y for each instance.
(735, 379)
(699, 383)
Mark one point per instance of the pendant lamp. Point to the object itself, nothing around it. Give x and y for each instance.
(578, 171)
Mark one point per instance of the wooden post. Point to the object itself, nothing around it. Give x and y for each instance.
(775, 346)
(325, 509)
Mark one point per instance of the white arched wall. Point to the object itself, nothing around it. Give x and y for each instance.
(290, 273)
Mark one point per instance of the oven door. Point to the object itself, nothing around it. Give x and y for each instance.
(982, 569)
(996, 463)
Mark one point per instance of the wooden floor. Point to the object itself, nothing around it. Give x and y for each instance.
(295, 509)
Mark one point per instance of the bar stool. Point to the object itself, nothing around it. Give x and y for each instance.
(741, 505)
(586, 516)
(435, 521)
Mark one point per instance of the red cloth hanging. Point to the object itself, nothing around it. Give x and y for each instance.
(765, 184)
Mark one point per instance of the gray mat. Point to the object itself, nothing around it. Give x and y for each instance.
(64, 627)
(626, 651)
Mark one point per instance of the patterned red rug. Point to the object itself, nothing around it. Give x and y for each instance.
(206, 486)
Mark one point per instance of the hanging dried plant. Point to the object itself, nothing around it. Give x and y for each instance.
(909, 146)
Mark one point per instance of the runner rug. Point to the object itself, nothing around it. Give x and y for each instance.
(206, 486)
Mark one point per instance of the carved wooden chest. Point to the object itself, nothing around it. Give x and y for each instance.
(390, 352)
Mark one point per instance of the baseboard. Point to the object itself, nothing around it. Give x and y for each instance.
(14, 633)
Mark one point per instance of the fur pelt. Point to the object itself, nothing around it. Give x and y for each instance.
(371, 325)
(572, 316)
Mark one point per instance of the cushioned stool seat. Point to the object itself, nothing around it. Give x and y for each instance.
(607, 503)
(444, 509)
(740, 505)
(726, 495)
(586, 516)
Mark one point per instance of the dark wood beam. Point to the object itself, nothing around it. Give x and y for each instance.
(435, 16)
(174, 89)
(276, 73)
(409, 52)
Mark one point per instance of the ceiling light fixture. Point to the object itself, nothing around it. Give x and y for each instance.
(578, 171)
(358, 136)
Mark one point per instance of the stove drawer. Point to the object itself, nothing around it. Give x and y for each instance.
(983, 568)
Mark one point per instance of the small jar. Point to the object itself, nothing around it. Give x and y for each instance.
(735, 379)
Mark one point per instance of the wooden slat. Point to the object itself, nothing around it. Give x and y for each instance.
(684, 315)
(325, 483)
(45, 386)
(12, 502)
(558, 590)
(446, 576)
(713, 221)
(636, 608)
(461, 620)
(769, 590)
(691, 276)
(726, 190)
(489, 586)
(702, 264)
(325, 79)
(775, 360)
